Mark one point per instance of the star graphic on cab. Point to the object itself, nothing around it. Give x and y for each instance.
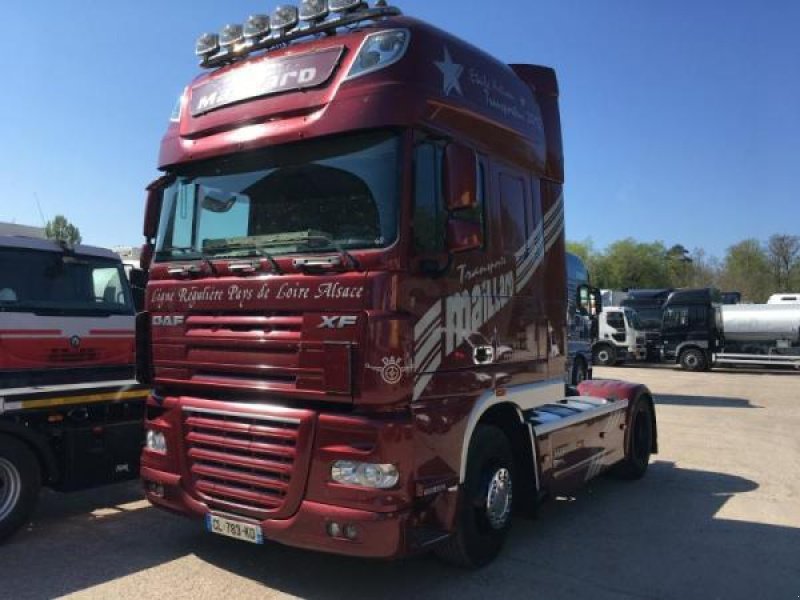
(452, 73)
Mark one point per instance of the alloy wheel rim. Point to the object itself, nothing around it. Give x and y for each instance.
(498, 499)
(10, 487)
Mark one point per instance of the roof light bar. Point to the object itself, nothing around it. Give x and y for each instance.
(256, 26)
(283, 26)
(231, 35)
(285, 18)
(313, 10)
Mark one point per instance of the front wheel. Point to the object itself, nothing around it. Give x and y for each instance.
(605, 355)
(20, 481)
(579, 372)
(486, 502)
(693, 360)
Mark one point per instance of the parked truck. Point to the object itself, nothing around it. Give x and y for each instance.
(71, 414)
(649, 305)
(621, 337)
(581, 324)
(356, 322)
(700, 332)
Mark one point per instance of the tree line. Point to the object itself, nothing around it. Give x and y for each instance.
(753, 267)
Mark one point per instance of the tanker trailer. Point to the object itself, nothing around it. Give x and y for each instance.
(759, 334)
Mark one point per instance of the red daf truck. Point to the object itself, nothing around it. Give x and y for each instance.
(355, 327)
(70, 411)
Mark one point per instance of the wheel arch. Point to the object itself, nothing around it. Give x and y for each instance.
(38, 445)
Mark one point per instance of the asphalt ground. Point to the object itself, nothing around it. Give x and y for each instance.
(717, 516)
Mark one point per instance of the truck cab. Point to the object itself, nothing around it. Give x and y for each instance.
(355, 326)
(649, 305)
(621, 337)
(692, 329)
(71, 415)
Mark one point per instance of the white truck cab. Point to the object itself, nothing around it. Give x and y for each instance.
(620, 337)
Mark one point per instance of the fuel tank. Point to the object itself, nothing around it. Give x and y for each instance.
(761, 322)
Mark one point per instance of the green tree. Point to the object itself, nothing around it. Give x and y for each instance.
(61, 230)
(746, 269)
(632, 264)
(784, 257)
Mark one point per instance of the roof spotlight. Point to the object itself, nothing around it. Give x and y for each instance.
(346, 5)
(284, 18)
(313, 10)
(231, 35)
(256, 26)
(207, 44)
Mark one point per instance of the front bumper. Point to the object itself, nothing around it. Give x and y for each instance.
(380, 535)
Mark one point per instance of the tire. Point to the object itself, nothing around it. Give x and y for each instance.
(693, 360)
(481, 533)
(605, 355)
(579, 372)
(20, 482)
(640, 443)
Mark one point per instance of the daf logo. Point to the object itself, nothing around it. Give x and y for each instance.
(168, 321)
(337, 322)
(75, 341)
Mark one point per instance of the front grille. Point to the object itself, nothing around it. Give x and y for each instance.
(245, 464)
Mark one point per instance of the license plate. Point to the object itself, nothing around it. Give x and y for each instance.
(239, 530)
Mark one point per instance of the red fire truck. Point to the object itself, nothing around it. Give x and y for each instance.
(70, 411)
(355, 326)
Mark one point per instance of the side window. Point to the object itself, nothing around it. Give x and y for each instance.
(477, 213)
(676, 318)
(616, 320)
(512, 212)
(428, 236)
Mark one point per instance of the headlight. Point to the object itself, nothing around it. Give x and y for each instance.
(366, 475)
(156, 442)
(256, 26)
(231, 35)
(313, 10)
(345, 5)
(284, 18)
(380, 50)
(207, 44)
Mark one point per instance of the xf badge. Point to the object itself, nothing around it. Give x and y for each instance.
(337, 322)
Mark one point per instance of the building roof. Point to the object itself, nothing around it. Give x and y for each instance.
(11, 229)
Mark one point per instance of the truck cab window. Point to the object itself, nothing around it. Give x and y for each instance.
(428, 231)
(616, 320)
(513, 215)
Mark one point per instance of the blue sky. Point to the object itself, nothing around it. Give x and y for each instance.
(681, 119)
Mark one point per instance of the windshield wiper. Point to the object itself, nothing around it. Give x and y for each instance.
(198, 254)
(260, 250)
(336, 246)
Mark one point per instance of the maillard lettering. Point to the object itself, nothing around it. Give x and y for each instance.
(307, 75)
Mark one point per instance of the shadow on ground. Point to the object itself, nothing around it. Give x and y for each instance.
(656, 538)
(704, 401)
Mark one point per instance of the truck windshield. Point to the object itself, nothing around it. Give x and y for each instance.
(633, 319)
(56, 284)
(320, 196)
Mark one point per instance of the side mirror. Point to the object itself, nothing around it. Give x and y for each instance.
(463, 235)
(138, 278)
(460, 177)
(152, 209)
(146, 256)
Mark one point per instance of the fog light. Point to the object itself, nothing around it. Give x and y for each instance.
(156, 442)
(378, 476)
(156, 489)
(350, 532)
(334, 530)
